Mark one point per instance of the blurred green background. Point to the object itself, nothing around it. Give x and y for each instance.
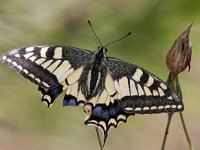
(26, 124)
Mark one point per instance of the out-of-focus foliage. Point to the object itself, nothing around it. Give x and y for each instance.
(25, 123)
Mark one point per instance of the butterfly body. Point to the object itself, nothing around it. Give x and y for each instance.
(93, 75)
(109, 89)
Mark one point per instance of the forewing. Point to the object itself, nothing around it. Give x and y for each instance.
(47, 66)
(140, 91)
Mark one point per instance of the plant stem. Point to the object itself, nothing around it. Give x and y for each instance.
(186, 132)
(99, 139)
(176, 88)
(167, 130)
(172, 82)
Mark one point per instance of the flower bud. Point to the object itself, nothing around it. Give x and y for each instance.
(179, 56)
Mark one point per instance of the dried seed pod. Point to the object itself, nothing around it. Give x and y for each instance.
(179, 56)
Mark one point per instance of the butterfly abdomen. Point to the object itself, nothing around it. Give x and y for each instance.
(93, 79)
(93, 76)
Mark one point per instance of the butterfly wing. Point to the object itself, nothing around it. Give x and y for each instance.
(138, 92)
(48, 67)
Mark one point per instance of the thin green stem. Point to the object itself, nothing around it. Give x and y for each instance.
(186, 132)
(166, 130)
(99, 139)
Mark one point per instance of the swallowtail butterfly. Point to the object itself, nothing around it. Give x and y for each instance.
(108, 89)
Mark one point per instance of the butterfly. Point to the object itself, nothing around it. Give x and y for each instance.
(109, 89)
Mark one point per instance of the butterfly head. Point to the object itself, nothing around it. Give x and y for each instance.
(102, 49)
(100, 55)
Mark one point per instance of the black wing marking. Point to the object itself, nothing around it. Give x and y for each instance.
(47, 66)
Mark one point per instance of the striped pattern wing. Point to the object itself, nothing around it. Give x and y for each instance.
(48, 67)
(135, 91)
(140, 91)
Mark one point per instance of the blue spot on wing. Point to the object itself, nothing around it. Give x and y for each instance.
(105, 115)
(97, 111)
(70, 100)
(53, 93)
(56, 91)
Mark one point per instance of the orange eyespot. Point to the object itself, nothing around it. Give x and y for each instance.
(87, 109)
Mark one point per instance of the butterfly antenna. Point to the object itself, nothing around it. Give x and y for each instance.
(94, 33)
(119, 39)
